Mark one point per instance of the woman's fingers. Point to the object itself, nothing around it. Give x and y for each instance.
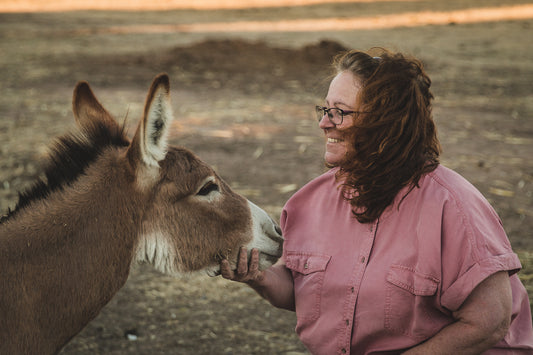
(253, 266)
(247, 270)
(225, 270)
(242, 262)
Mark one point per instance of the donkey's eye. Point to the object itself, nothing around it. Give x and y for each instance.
(209, 187)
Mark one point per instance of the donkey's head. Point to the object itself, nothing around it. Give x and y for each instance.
(191, 218)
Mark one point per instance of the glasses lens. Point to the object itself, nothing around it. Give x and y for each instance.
(335, 115)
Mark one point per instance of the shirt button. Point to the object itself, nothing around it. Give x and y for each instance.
(347, 322)
(363, 260)
(306, 266)
(343, 350)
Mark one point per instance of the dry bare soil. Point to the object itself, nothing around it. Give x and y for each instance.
(243, 101)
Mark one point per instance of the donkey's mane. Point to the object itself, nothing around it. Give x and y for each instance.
(69, 157)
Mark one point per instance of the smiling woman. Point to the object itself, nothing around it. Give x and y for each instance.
(389, 251)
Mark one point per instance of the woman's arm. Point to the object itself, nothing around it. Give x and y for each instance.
(274, 284)
(481, 321)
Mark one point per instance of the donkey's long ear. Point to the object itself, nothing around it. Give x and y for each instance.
(149, 145)
(87, 109)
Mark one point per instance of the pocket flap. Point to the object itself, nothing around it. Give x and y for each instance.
(417, 283)
(306, 263)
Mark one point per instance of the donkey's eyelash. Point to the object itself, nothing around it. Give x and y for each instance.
(208, 188)
(209, 185)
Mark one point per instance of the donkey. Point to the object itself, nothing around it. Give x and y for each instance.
(105, 202)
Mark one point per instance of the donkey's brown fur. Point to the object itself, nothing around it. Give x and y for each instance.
(67, 247)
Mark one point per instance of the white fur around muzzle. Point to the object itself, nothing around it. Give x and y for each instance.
(267, 239)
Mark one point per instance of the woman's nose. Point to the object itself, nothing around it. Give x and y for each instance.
(325, 122)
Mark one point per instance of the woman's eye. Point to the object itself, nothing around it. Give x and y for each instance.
(207, 189)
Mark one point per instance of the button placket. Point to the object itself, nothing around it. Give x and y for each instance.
(364, 258)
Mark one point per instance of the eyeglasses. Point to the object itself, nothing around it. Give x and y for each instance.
(335, 115)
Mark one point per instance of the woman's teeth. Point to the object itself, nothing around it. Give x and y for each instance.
(334, 140)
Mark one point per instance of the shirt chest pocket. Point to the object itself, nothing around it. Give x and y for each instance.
(410, 307)
(308, 274)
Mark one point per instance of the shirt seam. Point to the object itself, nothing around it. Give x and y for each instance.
(460, 211)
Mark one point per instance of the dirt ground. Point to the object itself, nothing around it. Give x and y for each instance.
(243, 101)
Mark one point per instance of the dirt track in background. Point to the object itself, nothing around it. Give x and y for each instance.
(243, 102)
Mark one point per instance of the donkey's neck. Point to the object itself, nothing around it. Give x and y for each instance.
(94, 212)
(63, 259)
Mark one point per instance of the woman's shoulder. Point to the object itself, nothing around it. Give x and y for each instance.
(453, 183)
(455, 191)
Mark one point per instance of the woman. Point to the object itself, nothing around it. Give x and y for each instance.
(389, 251)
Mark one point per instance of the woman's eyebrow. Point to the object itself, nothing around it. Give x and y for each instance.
(337, 103)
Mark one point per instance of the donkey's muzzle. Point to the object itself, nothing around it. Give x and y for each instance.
(267, 237)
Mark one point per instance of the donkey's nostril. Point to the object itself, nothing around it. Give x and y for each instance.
(276, 226)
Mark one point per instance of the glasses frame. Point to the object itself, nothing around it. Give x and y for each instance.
(322, 111)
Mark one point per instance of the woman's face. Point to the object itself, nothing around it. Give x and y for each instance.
(342, 94)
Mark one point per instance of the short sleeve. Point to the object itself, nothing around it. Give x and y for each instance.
(474, 247)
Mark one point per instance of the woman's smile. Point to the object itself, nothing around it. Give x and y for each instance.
(342, 94)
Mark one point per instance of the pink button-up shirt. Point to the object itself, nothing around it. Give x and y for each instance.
(390, 285)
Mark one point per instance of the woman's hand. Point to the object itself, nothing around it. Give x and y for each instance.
(247, 272)
(274, 284)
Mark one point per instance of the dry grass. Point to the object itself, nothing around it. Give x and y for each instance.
(142, 5)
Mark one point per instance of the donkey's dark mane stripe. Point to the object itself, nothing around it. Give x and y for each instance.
(68, 159)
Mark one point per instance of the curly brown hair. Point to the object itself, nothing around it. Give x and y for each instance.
(394, 141)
